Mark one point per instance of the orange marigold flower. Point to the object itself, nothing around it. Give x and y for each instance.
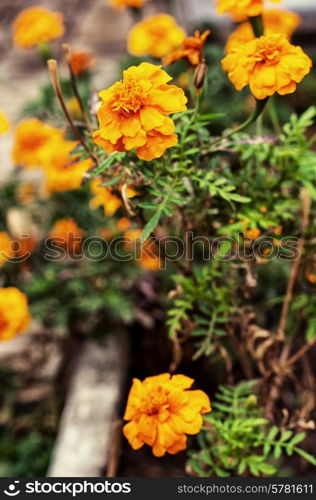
(6, 249)
(81, 61)
(241, 9)
(37, 25)
(23, 247)
(14, 313)
(4, 123)
(253, 233)
(133, 112)
(161, 411)
(155, 36)
(310, 274)
(123, 224)
(121, 4)
(268, 64)
(64, 170)
(147, 256)
(32, 143)
(66, 234)
(274, 21)
(192, 49)
(104, 197)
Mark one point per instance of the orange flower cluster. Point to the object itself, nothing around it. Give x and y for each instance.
(269, 65)
(81, 61)
(191, 49)
(37, 25)
(6, 250)
(155, 36)
(161, 411)
(121, 4)
(253, 234)
(37, 144)
(104, 197)
(148, 256)
(241, 9)
(14, 313)
(134, 112)
(4, 123)
(66, 234)
(274, 21)
(64, 170)
(33, 143)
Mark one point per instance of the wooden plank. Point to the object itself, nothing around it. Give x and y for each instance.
(86, 425)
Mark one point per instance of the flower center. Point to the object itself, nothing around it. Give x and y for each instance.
(268, 51)
(129, 96)
(34, 142)
(156, 402)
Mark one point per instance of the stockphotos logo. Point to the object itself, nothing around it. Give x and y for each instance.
(73, 489)
(12, 490)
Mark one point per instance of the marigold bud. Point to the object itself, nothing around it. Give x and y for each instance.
(200, 75)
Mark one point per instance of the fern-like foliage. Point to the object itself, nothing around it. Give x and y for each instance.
(238, 440)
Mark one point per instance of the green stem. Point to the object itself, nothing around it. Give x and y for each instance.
(260, 105)
(274, 117)
(136, 13)
(45, 51)
(257, 25)
(259, 125)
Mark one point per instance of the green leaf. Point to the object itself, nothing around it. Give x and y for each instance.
(267, 469)
(209, 117)
(150, 226)
(286, 436)
(309, 458)
(112, 182)
(239, 198)
(298, 438)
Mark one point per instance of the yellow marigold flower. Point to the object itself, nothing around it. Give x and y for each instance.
(241, 9)
(268, 64)
(133, 112)
(191, 49)
(81, 61)
(121, 4)
(6, 250)
(156, 36)
(32, 142)
(148, 257)
(274, 21)
(66, 234)
(4, 123)
(37, 25)
(64, 170)
(281, 21)
(14, 313)
(104, 197)
(161, 411)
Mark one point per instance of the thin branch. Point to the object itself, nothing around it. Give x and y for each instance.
(67, 51)
(53, 73)
(115, 450)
